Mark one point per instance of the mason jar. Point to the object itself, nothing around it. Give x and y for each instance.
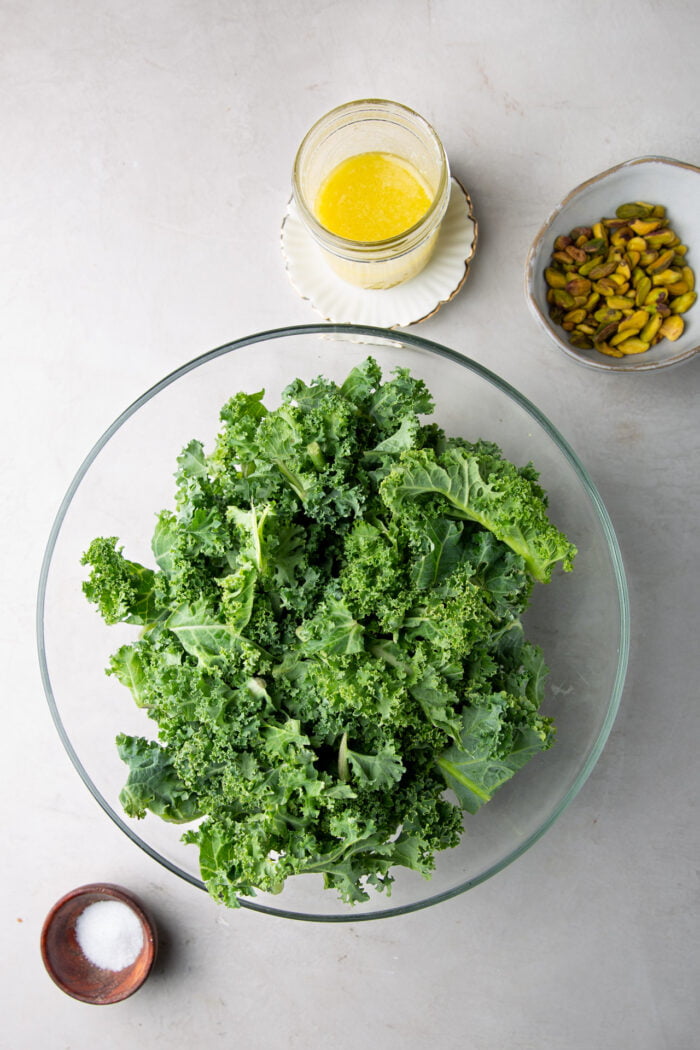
(373, 126)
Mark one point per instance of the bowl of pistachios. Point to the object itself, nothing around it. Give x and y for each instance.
(611, 275)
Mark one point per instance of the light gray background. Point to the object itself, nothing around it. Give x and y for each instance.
(145, 168)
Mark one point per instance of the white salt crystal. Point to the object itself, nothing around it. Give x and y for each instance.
(109, 934)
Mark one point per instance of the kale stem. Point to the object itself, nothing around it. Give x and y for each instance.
(343, 770)
(316, 455)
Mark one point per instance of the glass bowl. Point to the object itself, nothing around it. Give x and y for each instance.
(580, 618)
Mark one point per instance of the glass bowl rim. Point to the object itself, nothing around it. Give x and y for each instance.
(391, 337)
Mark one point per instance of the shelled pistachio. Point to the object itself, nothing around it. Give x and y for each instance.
(620, 285)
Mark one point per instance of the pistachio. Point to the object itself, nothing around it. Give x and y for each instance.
(620, 284)
(620, 281)
(578, 286)
(642, 290)
(661, 237)
(672, 327)
(603, 332)
(621, 335)
(555, 278)
(585, 270)
(605, 286)
(636, 244)
(621, 237)
(605, 315)
(611, 351)
(655, 296)
(576, 316)
(645, 226)
(650, 329)
(562, 298)
(581, 341)
(634, 210)
(633, 345)
(577, 254)
(603, 270)
(666, 277)
(634, 322)
(596, 244)
(661, 262)
(683, 302)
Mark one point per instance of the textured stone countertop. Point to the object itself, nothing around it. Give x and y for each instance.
(146, 169)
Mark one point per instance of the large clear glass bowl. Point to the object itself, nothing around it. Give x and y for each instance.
(580, 618)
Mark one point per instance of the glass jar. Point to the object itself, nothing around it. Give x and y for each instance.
(373, 126)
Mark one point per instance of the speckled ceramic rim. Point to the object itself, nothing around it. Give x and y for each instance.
(377, 335)
(607, 364)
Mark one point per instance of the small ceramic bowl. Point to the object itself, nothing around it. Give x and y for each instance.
(65, 961)
(659, 180)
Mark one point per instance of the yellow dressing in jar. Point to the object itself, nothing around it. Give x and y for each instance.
(372, 197)
(371, 184)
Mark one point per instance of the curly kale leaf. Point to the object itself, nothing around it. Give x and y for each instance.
(475, 483)
(381, 770)
(153, 783)
(499, 735)
(332, 630)
(123, 590)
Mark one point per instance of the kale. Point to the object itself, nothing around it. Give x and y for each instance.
(331, 643)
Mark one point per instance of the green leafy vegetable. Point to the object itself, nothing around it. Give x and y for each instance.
(331, 643)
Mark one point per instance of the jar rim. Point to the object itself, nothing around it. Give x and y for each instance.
(424, 226)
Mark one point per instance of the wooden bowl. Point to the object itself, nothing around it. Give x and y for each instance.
(68, 966)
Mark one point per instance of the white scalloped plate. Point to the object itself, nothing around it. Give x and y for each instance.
(406, 304)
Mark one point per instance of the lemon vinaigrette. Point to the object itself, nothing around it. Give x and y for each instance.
(372, 197)
(371, 184)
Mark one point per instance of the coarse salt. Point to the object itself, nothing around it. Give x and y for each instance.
(110, 934)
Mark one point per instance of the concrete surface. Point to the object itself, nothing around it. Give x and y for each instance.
(146, 167)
